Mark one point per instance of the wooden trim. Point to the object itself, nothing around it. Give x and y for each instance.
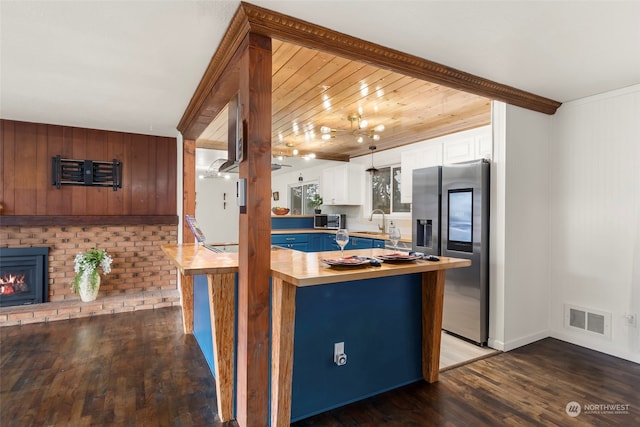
(188, 186)
(257, 20)
(283, 309)
(287, 28)
(223, 57)
(222, 310)
(432, 307)
(29, 220)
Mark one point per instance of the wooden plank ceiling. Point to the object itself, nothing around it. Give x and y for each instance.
(312, 89)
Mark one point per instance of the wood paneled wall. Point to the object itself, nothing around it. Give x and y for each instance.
(148, 175)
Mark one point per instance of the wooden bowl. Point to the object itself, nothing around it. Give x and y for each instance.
(280, 211)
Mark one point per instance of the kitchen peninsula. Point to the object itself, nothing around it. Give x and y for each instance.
(389, 318)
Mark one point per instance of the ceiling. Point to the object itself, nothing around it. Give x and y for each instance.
(313, 90)
(133, 66)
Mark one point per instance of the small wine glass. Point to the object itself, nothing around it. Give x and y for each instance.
(342, 239)
(394, 236)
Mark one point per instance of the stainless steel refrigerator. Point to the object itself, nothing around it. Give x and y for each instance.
(450, 213)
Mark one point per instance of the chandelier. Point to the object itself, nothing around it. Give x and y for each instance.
(359, 129)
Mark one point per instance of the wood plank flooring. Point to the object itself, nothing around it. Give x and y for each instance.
(135, 369)
(139, 369)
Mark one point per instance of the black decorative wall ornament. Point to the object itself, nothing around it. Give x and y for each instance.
(86, 172)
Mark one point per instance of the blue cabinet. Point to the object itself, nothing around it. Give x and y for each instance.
(330, 243)
(318, 242)
(359, 243)
(299, 242)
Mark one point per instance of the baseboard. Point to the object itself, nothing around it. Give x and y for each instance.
(498, 345)
(519, 342)
(602, 348)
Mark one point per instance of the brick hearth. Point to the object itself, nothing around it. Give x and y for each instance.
(141, 276)
(72, 309)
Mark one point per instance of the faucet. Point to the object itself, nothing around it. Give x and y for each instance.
(380, 226)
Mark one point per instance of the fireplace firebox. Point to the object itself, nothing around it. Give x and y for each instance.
(23, 276)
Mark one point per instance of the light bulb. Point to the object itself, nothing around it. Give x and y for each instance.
(325, 129)
(360, 140)
(379, 128)
(376, 137)
(295, 151)
(363, 124)
(326, 136)
(312, 155)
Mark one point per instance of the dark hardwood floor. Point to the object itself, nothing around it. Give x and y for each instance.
(139, 369)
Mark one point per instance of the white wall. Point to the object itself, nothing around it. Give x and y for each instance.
(594, 248)
(218, 221)
(519, 287)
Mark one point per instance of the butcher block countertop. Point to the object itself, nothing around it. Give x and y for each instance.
(302, 268)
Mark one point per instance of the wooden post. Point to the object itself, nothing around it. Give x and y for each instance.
(222, 310)
(432, 305)
(254, 257)
(186, 302)
(188, 186)
(283, 320)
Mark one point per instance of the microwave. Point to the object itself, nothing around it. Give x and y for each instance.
(330, 221)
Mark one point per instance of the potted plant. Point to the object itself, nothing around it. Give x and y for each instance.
(316, 202)
(87, 279)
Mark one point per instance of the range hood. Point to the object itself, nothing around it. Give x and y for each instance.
(229, 166)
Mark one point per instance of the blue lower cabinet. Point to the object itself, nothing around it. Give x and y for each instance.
(359, 243)
(330, 243)
(377, 243)
(298, 242)
(316, 242)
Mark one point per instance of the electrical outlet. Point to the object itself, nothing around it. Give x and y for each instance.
(631, 320)
(339, 358)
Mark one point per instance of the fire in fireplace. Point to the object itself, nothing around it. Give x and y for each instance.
(23, 276)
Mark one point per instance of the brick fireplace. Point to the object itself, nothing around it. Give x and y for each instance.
(141, 276)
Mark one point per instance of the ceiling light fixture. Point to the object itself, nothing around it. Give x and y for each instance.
(359, 129)
(372, 170)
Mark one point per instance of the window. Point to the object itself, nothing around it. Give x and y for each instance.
(300, 197)
(385, 191)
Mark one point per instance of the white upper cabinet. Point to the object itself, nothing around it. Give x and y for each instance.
(463, 147)
(467, 149)
(417, 159)
(343, 184)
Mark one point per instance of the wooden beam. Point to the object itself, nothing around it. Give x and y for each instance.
(254, 256)
(88, 219)
(294, 30)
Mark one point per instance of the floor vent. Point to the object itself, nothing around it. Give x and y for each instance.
(588, 320)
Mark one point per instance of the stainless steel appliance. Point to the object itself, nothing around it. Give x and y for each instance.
(330, 221)
(450, 213)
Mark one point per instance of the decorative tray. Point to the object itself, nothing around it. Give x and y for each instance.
(347, 262)
(397, 258)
